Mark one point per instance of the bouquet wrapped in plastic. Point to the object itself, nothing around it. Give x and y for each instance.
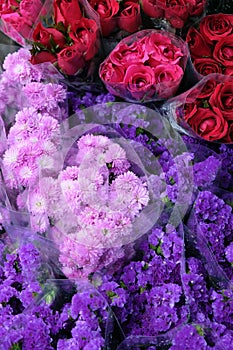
(67, 36)
(205, 111)
(145, 66)
(210, 44)
(177, 13)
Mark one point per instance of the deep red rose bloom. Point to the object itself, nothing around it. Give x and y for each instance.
(223, 99)
(107, 10)
(70, 59)
(130, 17)
(66, 11)
(45, 35)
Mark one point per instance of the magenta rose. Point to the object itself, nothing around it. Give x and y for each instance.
(197, 44)
(66, 11)
(85, 32)
(207, 123)
(20, 24)
(223, 51)
(139, 81)
(167, 79)
(215, 27)
(151, 8)
(207, 66)
(7, 6)
(107, 10)
(223, 99)
(30, 8)
(113, 77)
(124, 55)
(70, 60)
(46, 36)
(161, 49)
(130, 17)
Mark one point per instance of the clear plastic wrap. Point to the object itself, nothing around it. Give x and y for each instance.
(141, 69)
(204, 111)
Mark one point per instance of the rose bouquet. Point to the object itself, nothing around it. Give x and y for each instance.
(113, 15)
(18, 18)
(205, 110)
(146, 66)
(210, 44)
(70, 41)
(177, 12)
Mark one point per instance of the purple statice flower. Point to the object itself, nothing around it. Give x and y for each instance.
(229, 253)
(222, 306)
(213, 216)
(206, 171)
(188, 338)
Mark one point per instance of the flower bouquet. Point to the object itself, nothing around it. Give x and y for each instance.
(210, 44)
(205, 110)
(177, 13)
(145, 66)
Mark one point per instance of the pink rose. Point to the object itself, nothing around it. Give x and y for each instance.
(161, 50)
(113, 77)
(6, 6)
(124, 55)
(20, 24)
(139, 80)
(85, 32)
(167, 79)
(30, 9)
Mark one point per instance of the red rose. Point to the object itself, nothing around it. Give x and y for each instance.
(223, 99)
(43, 56)
(228, 70)
(152, 9)
(223, 51)
(207, 66)
(106, 9)
(197, 44)
(215, 27)
(167, 79)
(139, 80)
(66, 11)
(85, 32)
(229, 137)
(70, 59)
(207, 89)
(209, 124)
(198, 8)
(45, 36)
(124, 55)
(130, 17)
(176, 11)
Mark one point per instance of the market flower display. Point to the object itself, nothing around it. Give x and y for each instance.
(116, 222)
(146, 66)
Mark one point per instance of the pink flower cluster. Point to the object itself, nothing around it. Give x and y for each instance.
(101, 205)
(145, 66)
(32, 109)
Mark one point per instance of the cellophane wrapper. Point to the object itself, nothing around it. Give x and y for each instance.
(203, 111)
(137, 73)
